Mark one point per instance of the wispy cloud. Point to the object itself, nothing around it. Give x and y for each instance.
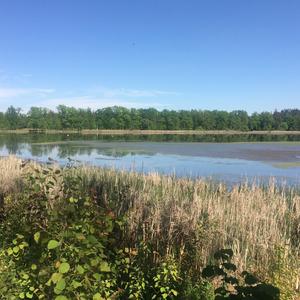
(93, 102)
(92, 98)
(14, 78)
(104, 97)
(122, 92)
(17, 92)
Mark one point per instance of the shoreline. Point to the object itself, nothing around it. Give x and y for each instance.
(148, 132)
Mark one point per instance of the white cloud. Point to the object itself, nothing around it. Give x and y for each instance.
(94, 99)
(17, 92)
(111, 93)
(92, 102)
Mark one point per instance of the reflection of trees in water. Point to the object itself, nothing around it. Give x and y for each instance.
(12, 144)
(121, 152)
(15, 143)
(63, 150)
(66, 150)
(37, 150)
(48, 138)
(197, 138)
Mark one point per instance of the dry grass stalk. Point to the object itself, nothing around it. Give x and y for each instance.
(199, 217)
(193, 218)
(10, 174)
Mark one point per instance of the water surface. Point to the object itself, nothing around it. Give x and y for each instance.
(226, 158)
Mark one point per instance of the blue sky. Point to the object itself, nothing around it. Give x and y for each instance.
(213, 54)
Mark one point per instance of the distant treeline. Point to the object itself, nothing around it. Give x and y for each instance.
(122, 118)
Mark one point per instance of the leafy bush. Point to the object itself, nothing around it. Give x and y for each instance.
(60, 240)
(57, 243)
(65, 246)
(232, 286)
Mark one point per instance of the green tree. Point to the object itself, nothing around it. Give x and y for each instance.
(37, 118)
(13, 117)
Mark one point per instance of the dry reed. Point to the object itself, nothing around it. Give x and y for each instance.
(192, 218)
(10, 173)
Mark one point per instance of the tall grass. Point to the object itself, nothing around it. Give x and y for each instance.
(10, 174)
(191, 219)
(197, 217)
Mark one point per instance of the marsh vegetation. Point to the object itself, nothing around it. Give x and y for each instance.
(84, 232)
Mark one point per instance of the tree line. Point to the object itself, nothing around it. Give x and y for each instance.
(117, 117)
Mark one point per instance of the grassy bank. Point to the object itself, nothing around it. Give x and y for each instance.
(153, 132)
(158, 232)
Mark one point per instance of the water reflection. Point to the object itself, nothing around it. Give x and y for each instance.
(228, 158)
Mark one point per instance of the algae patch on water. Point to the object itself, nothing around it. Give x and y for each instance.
(287, 165)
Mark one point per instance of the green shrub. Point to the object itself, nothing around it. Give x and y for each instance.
(62, 238)
(64, 246)
(57, 243)
(232, 286)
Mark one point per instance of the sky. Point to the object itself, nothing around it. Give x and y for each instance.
(167, 54)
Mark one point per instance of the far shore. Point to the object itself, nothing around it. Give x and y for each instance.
(150, 132)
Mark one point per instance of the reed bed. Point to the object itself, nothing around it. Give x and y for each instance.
(191, 219)
(10, 174)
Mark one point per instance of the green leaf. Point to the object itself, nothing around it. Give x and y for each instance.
(61, 297)
(104, 267)
(250, 279)
(94, 262)
(224, 254)
(33, 267)
(80, 269)
(127, 260)
(55, 277)
(52, 244)
(97, 297)
(212, 271)
(208, 271)
(37, 236)
(230, 279)
(229, 266)
(60, 286)
(25, 276)
(97, 276)
(16, 249)
(64, 268)
(92, 239)
(76, 284)
(29, 295)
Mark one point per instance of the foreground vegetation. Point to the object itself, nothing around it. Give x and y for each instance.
(148, 119)
(90, 233)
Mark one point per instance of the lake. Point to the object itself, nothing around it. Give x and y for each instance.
(230, 159)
